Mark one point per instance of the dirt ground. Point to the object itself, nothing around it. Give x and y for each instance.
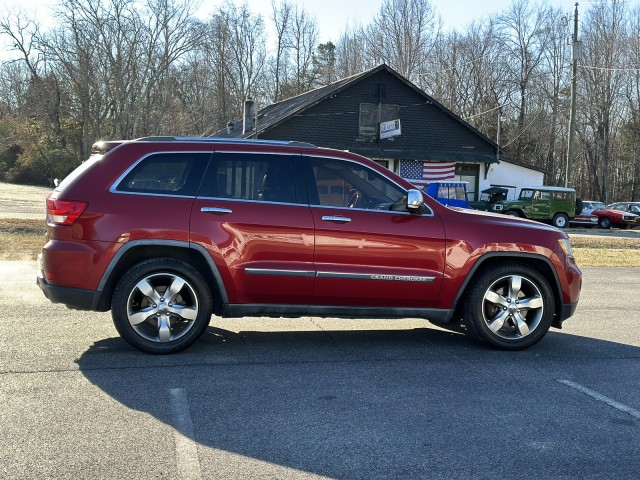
(22, 201)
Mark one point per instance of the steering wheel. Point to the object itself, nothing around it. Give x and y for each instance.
(354, 198)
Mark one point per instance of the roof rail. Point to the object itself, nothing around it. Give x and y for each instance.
(227, 140)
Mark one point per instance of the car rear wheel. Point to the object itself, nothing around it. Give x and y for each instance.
(560, 220)
(509, 306)
(513, 213)
(604, 222)
(161, 305)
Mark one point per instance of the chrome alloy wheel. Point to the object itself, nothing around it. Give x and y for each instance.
(162, 307)
(512, 307)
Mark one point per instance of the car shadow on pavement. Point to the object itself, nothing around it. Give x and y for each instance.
(363, 403)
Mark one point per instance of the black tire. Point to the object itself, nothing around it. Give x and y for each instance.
(604, 222)
(560, 220)
(492, 317)
(579, 206)
(513, 213)
(155, 324)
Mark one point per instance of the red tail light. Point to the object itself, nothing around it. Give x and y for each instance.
(64, 212)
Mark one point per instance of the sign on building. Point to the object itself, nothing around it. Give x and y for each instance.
(390, 129)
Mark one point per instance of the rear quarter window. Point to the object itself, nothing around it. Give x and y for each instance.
(166, 174)
(78, 171)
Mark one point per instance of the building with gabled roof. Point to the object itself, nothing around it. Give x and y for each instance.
(427, 140)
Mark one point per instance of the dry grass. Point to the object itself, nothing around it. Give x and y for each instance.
(593, 242)
(607, 257)
(22, 239)
(593, 251)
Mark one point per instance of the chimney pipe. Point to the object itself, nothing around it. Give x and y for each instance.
(248, 116)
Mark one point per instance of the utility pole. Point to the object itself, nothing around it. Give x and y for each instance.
(498, 135)
(575, 55)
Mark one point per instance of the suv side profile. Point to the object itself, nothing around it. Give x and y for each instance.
(555, 204)
(165, 232)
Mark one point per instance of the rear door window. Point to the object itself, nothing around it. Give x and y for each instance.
(254, 177)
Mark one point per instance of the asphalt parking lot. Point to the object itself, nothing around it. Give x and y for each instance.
(319, 398)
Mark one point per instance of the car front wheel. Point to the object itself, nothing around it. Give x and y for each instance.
(509, 306)
(161, 305)
(604, 222)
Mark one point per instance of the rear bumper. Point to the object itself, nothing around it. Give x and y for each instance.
(75, 298)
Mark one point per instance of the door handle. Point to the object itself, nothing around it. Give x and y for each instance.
(222, 211)
(331, 218)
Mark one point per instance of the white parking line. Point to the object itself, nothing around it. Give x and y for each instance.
(601, 398)
(187, 461)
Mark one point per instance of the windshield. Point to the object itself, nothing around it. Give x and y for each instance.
(598, 206)
(452, 193)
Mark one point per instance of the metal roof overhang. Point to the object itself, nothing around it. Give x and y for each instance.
(457, 156)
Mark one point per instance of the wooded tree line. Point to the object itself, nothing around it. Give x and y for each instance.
(125, 69)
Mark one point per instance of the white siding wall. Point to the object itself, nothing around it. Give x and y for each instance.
(507, 173)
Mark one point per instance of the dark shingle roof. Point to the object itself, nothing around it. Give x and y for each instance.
(272, 115)
(275, 113)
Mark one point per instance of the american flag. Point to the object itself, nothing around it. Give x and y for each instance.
(420, 173)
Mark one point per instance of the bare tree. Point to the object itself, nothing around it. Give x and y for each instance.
(524, 35)
(632, 95)
(468, 75)
(350, 53)
(303, 40)
(282, 18)
(14, 82)
(602, 80)
(25, 37)
(553, 82)
(403, 34)
(246, 45)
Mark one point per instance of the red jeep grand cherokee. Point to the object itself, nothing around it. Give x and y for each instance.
(165, 232)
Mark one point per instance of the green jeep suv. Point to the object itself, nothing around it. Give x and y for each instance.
(557, 205)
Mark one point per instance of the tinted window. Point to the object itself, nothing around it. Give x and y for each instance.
(260, 177)
(347, 184)
(167, 174)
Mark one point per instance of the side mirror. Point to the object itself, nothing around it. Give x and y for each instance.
(415, 200)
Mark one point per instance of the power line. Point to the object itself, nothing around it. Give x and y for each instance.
(433, 72)
(593, 67)
(523, 130)
(486, 111)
